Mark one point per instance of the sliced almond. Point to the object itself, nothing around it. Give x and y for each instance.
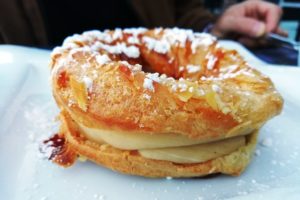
(211, 99)
(185, 96)
(80, 93)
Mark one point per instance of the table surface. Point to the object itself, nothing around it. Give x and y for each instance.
(27, 112)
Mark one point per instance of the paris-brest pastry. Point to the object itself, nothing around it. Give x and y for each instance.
(158, 103)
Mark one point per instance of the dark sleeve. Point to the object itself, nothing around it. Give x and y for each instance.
(21, 23)
(170, 13)
(192, 14)
(155, 13)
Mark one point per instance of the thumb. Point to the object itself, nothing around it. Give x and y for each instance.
(244, 25)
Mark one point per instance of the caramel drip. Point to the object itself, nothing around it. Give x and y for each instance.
(61, 153)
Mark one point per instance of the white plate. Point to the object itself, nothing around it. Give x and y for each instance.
(27, 111)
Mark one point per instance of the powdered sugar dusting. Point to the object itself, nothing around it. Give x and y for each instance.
(76, 38)
(147, 96)
(135, 31)
(177, 36)
(57, 51)
(133, 40)
(159, 46)
(154, 76)
(211, 61)
(148, 84)
(102, 40)
(216, 88)
(117, 34)
(148, 81)
(193, 68)
(134, 68)
(130, 51)
(182, 86)
(201, 39)
(102, 59)
(229, 69)
(88, 83)
(158, 30)
(77, 50)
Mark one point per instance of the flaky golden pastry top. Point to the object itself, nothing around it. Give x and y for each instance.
(160, 81)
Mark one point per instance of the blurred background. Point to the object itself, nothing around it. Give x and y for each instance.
(45, 23)
(290, 22)
(290, 18)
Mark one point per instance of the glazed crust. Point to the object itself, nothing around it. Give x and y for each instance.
(130, 162)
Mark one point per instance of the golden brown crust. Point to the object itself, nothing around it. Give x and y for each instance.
(130, 162)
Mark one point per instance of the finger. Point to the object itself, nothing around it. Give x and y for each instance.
(281, 32)
(271, 14)
(243, 25)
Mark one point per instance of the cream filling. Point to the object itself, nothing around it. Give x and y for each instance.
(196, 153)
(169, 147)
(132, 141)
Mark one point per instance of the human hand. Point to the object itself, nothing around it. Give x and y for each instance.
(249, 20)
